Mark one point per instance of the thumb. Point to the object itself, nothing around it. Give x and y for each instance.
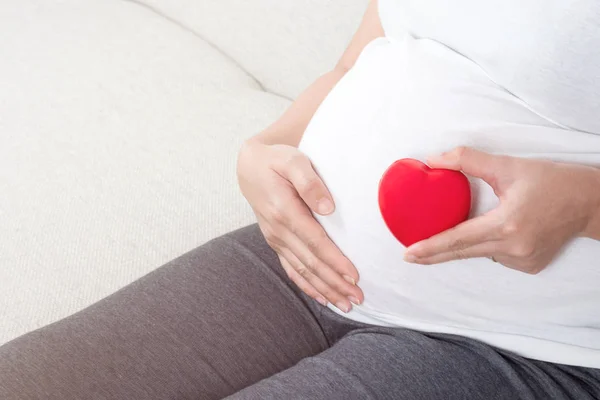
(470, 161)
(309, 185)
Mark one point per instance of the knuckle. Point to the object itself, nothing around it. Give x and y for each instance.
(460, 151)
(523, 250)
(460, 254)
(458, 245)
(311, 264)
(277, 214)
(303, 271)
(295, 228)
(308, 185)
(510, 228)
(316, 243)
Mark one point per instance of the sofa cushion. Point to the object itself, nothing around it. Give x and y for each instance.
(118, 136)
(285, 44)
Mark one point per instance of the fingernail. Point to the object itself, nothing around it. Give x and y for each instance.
(350, 280)
(409, 258)
(344, 307)
(354, 300)
(324, 206)
(322, 301)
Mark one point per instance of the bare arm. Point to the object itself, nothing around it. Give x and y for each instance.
(291, 126)
(593, 229)
(283, 188)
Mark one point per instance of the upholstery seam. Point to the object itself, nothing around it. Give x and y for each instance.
(186, 28)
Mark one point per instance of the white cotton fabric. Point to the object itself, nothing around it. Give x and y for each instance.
(413, 94)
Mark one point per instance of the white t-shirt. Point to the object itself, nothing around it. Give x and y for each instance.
(505, 76)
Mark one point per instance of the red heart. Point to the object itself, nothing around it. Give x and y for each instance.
(417, 202)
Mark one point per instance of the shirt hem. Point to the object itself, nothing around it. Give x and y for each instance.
(525, 346)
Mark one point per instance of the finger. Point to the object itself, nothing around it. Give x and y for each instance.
(334, 297)
(297, 219)
(325, 273)
(472, 162)
(301, 282)
(271, 235)
(507, 261)
(308, 184)
(510, 262)
(312, 234)
(486, 249)
(468, 234)
(339, 288)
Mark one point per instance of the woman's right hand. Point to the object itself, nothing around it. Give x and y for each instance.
(282, 187)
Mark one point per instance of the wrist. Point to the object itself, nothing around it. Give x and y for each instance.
(251, 142)
(245, 154)
(279, 134)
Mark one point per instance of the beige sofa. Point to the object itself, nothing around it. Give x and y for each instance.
(119, 125)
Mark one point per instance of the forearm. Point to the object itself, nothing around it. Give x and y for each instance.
(292, 124)
(290, 127)
(593, 228)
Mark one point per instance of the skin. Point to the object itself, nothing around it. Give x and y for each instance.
(543, 204)
(282, 187)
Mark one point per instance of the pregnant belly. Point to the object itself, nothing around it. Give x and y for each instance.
(413, 98)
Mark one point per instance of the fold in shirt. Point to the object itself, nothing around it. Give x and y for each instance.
(410, 97)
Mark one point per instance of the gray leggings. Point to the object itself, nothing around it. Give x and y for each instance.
(224, 320)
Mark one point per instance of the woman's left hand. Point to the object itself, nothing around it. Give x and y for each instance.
(543, 205)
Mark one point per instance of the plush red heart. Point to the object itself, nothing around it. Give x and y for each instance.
(417, 202)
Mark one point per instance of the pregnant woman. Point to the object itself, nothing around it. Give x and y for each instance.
(319, 300)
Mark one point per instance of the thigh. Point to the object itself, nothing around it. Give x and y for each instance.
(204, 326)
(382, 363)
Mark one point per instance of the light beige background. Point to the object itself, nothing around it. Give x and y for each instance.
(119, 126)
